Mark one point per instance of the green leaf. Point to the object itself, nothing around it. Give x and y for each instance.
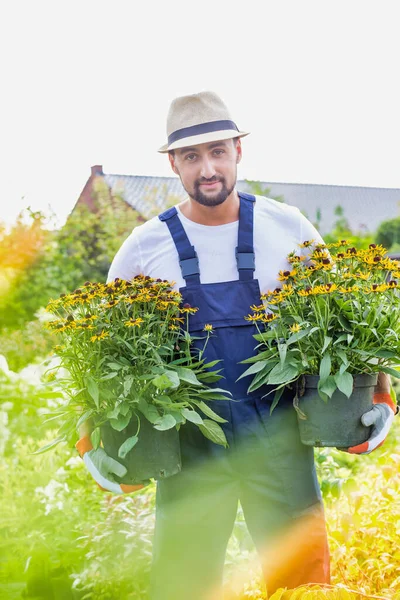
(169, 379)
(327, 341)
(115, 366)
(212, 364)
(86, 415)
(49, 445)
(113, 413)
(124, 408)
(192, 416)
(177, 416)
(93, 390)
(213, 390)
(300, 334)
(95, 437)
(127, 446)
(386, 354)
(128, 384)
(345, 323)
(342, 355)
(165, 422)
(121, 422)
(277, 397)
(325, 367)
(328, 386)
(255, 368)
(209, 412)
(212, 431)
(149, 411)
(109, 376)
(187, 375)
(282, 349)
(341, 338)
(390, 371)
(282, 374)
(344, 381)
(211, 396)
(266, 354)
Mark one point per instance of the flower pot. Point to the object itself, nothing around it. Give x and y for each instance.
(156, 455)
(336, 422)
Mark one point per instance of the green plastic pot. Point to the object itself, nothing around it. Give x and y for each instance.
(156, 455)
(337, 422)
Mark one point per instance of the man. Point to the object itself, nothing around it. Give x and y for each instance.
(223, 248)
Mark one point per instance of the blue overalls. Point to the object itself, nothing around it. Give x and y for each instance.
(265, 466)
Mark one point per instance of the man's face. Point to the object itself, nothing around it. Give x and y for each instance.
(208, 171)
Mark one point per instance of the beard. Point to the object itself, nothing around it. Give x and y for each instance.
(213, 199)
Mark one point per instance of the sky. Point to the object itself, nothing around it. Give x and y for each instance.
(90, 82)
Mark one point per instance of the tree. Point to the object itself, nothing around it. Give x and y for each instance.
(257, 188)
(388, 234)
(47, 263)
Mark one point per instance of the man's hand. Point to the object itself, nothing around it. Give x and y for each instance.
(103, 468)
(380, 417)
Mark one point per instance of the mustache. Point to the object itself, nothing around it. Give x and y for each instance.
(212, 180)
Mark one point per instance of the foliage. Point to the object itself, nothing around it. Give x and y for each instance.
(28, 345)
(335, 316)
(388, 234)
(257, 188)
(43, 263)
(127, 357)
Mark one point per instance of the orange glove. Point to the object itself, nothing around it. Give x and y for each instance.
(380, 417)
(103, 468)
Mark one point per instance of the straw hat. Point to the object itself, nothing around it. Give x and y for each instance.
(197, 119)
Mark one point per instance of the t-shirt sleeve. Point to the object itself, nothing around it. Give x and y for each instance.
(127, 262)
(308, 231)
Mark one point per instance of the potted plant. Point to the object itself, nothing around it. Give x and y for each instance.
(131, 372)
(327, 331)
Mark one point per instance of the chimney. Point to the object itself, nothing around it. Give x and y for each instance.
(97, 170)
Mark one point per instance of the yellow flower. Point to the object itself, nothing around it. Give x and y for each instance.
(284, 275)
(177, 320)
(267, 318)
(306, 244)
(363, 276)
(376, 287)
(256, 317)
(326, 288)
(208, 327)
(191, 310)
(294, 258)
(134, 322)
(163, 304)
(173, 327)
(111, 303)
(99, 336)
(277, 299)
(306, 292)
(295, 328)
(259, 308)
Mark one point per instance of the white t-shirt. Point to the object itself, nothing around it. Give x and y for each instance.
(278, 229)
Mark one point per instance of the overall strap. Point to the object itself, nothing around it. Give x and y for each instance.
(245, 256)
(188, 260)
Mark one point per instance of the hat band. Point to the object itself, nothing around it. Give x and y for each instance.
(199, 129)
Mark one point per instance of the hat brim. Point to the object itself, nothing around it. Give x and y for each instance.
(194, 140)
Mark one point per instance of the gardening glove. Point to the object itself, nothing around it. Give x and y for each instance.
(103, 468)
(380, 417)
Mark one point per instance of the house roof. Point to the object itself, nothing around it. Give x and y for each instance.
(364, 207)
